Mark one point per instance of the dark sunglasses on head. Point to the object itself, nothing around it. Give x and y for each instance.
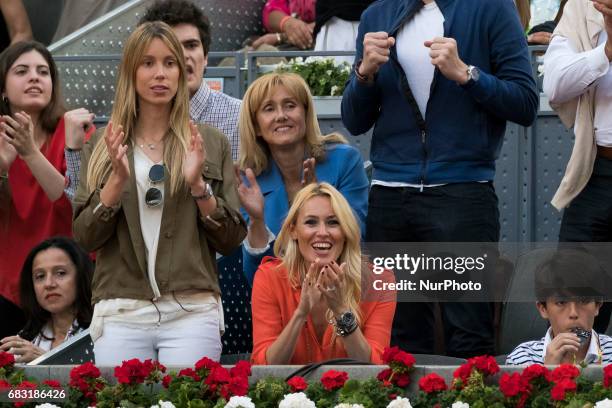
(153, 196)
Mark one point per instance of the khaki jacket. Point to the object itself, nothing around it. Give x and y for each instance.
(187, 241)
(581, 24)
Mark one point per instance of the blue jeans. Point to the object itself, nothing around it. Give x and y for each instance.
(589, 219)
(457, 212)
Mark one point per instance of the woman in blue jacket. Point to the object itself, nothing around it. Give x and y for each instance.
(281, 150)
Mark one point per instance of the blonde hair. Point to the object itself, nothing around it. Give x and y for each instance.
(125, 108)
(253, 149)
(293, 261)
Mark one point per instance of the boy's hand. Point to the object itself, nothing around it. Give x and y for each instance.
(562, 346)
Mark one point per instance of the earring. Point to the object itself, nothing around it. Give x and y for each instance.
(5, 99)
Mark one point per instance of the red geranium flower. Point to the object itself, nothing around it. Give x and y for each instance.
(132, 372)
(485, 364)
(189, 372)
(6, 359)
(167, 380)
(53, 383)
(463, 371)
(332, 380)
(206, 363)
(565, 371)
(557, 393)
(238, 386)
(241, 369)
(389, 353)
(607, 380)
(402, 380)
(4, 385)
(535, 371)
(432, 383)
(218, 375)
(297, 384)
(510, 385)
(86, 370)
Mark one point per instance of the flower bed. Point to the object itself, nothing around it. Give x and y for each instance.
(322, 74)
(477, 383)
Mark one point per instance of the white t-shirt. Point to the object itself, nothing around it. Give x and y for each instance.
(413, 56)
(150, 217)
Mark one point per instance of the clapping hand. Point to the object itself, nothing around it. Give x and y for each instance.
(117, 151)
(194, 157)
(332, 285)
(250, 195)
(310, 295)
(19, 133)
(308, 172)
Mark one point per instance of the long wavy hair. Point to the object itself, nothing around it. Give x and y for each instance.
(36, 316)
(126, 109)
(293, 261)
(254, 151)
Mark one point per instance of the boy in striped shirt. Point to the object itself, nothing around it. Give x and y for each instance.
(568, 288)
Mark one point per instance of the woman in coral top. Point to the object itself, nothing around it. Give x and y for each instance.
(39, 164)
(308, 304)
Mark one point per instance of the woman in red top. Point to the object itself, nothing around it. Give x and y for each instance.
(308, 304)
(34, 132)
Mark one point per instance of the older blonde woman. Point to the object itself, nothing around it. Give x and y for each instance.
(281, 150)
(156, 201)
(308, 304)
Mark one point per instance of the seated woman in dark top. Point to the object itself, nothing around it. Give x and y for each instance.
(55, 290)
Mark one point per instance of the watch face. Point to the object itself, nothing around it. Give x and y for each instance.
(474, 73)
(347, 318)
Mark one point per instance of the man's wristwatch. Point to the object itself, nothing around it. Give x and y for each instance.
(473, 74)
(346, 324)
(206, 195)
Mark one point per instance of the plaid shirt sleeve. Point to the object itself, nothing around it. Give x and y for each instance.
(73, 168)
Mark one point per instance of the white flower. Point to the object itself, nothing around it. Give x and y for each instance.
(400, 402)
(335, 90)
(459, 404)
(240, 402)
(47, 405)
(604, 404)
(299, 60)
(296, 400)
(345, 405)
(163, 404)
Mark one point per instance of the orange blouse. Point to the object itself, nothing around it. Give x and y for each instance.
(273, 303)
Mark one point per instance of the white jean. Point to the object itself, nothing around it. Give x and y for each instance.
(337, 35)
(174, 337)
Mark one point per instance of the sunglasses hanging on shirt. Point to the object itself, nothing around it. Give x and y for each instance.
(154, 196)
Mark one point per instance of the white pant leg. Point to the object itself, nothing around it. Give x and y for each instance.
(120, 342)
(189, 336)
(337, 35)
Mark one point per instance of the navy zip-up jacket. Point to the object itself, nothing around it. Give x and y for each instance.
(462, 132)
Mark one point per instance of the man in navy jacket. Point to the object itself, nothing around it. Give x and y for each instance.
(438, 81)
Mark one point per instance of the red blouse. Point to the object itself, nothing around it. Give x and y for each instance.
(273, 303)
(32, 217)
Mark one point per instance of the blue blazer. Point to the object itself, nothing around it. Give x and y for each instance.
(342, 167)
